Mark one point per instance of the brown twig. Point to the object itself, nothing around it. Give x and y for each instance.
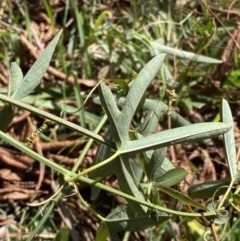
(214, 232)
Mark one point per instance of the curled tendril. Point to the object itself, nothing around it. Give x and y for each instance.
(172, 98)
(47, 200)
(41, 129)
(217, 208)
(208, 232)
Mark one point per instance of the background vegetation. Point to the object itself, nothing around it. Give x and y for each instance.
(111, 40)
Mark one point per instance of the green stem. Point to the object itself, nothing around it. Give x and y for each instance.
(85, 203)
(33, 154)
(76, 176)
(58, 120)
(45, 217)
(225, 195)
(89, 143)
(81, 178)
(143, 202)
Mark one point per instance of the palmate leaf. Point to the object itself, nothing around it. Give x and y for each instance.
(120, 121)
(184, 134)
(123, 169)
(120, 124)
(20, 87)
(34, 75)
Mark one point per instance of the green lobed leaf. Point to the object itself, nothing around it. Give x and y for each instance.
(34, 75)
(184, 134)
(109, 105)
(159, 48)
(153, 167)
(137, 90)
(181, 197)
(229, 139)
(171, 177)
(15, 79)
(140, 84)
(120, 121)
(207, 189)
